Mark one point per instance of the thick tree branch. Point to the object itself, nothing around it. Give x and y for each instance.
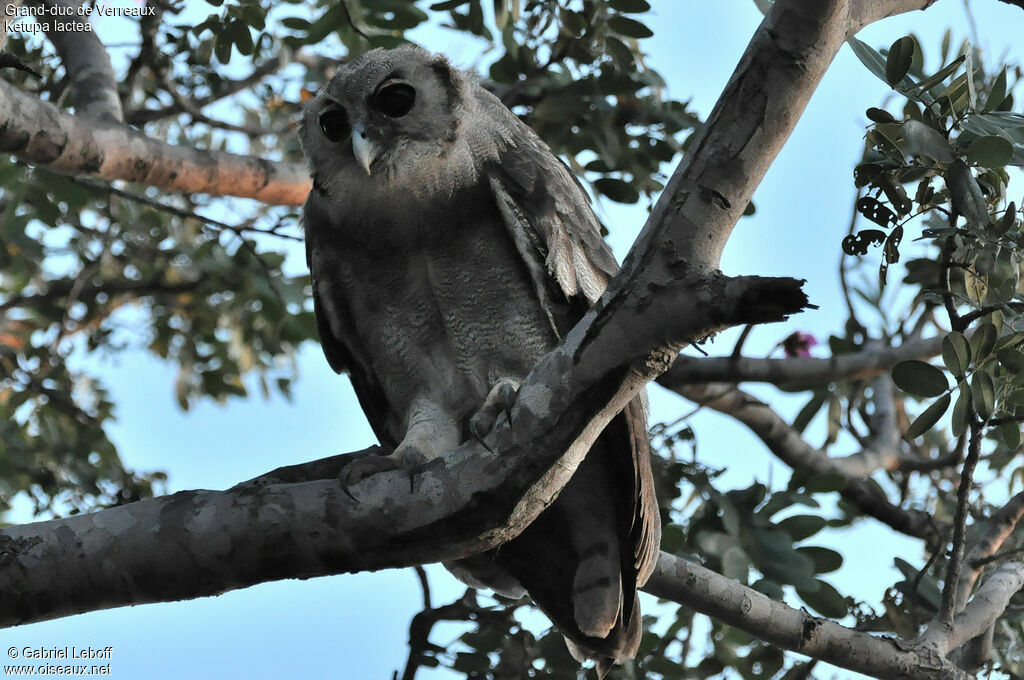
(37, 132)
(206, 542)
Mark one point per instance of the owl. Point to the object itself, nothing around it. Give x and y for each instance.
(449, 250)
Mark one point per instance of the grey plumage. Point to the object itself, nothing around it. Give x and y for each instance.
(449, 250)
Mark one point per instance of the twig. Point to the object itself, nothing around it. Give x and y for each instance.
(945, 265)
(421, 574)
(183, 213)
(956, 557)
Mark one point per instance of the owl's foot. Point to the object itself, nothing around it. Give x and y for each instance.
(407, 458)
(499, 400)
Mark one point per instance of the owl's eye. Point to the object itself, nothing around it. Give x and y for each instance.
(395, 100)
(334, 123)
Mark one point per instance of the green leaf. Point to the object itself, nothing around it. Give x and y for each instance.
(826, 483)
(870, 57)
(956, 353)
(901, 56)
(923, 140)
(809, 410)
(919, 378)
(630, 6)
(961, 411)
(771, 551)
(222, 47)
(800, 527)
(983, 394)
(825, 560)
(630, 28)
(618, 190)
(965, 194)
(735, 564)
(1006, 222)
(1010, 433)
(1012, 359)
(880, 115)
(448, 4)
(825, 600)
(928, 417)
(997, 94)
(983, 340)
(990, 151)
(934, 80)
(241, 36)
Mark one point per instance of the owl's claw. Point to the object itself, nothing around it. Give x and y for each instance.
(479, 430)
(499, 400)
(409, 459)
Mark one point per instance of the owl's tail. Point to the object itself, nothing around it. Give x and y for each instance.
(584, 557)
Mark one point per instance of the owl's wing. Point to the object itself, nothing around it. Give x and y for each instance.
(334, 320)
(557, 234)
(546, 209)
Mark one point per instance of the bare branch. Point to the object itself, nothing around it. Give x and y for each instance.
(796, 372)
(744, 608)
(39, 133)
(956, 553)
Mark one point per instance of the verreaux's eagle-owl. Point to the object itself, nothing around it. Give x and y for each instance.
(449, 250)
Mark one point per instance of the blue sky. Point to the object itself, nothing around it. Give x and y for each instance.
(355, 626)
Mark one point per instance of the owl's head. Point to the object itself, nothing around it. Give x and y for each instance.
(382, 111)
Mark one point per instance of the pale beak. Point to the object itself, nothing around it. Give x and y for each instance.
(364, 149)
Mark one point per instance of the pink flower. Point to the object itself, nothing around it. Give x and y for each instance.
(799, 344)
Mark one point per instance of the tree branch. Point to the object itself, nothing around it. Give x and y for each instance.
(470, 501)
(988, 604)
(778, 624)
(37, 132)
(1000, 526)
(792, 449)
(798, 372)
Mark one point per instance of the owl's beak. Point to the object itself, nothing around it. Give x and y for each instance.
(364, 149)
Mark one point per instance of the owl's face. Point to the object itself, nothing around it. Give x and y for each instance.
(383, 110)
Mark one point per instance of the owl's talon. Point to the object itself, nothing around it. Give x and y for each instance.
(499, 400)
(507, 393)
(479, 430)
(408, 459)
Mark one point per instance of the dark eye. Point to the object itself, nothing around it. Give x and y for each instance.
(395, 100)
(334, 123)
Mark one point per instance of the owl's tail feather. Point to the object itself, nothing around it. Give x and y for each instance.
(625, 639)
